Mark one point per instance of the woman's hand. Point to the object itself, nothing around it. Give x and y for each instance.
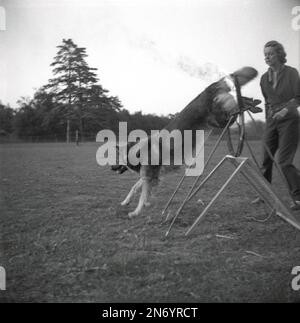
(280, 114)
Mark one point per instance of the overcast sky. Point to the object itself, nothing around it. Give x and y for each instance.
(155, 55)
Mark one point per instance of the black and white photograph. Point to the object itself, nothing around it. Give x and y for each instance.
(149, 154)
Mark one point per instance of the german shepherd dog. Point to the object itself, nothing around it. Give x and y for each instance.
(212, 108)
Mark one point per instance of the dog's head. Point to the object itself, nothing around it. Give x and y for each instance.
(224, 100)
(119, 167)
(122, 162)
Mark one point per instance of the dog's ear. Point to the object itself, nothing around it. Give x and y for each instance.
(120, 169)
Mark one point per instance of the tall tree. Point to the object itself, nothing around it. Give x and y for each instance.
(73, 81)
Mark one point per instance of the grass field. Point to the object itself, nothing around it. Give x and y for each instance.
(65, 237)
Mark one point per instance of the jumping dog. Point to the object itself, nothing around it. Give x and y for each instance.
(211, 108)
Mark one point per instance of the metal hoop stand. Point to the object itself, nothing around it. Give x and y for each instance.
(243, 165)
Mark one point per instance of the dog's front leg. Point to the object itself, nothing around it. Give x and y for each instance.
(143, 201)
(132, 192)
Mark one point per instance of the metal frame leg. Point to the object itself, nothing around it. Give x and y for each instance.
(216, 196)
(198, 188)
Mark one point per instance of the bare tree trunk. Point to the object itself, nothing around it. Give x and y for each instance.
(68, 131)
(77, 138)
(81, 128)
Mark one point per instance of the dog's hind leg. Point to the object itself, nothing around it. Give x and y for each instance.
(154, 182)
(132, 192)
(144, 197)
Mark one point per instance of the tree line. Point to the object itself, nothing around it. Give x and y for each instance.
(72, 101)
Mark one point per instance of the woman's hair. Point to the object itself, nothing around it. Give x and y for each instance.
(279, 50)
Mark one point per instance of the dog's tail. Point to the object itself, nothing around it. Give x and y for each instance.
(245, 75)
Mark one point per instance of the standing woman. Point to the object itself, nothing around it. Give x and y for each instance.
(280, 87)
